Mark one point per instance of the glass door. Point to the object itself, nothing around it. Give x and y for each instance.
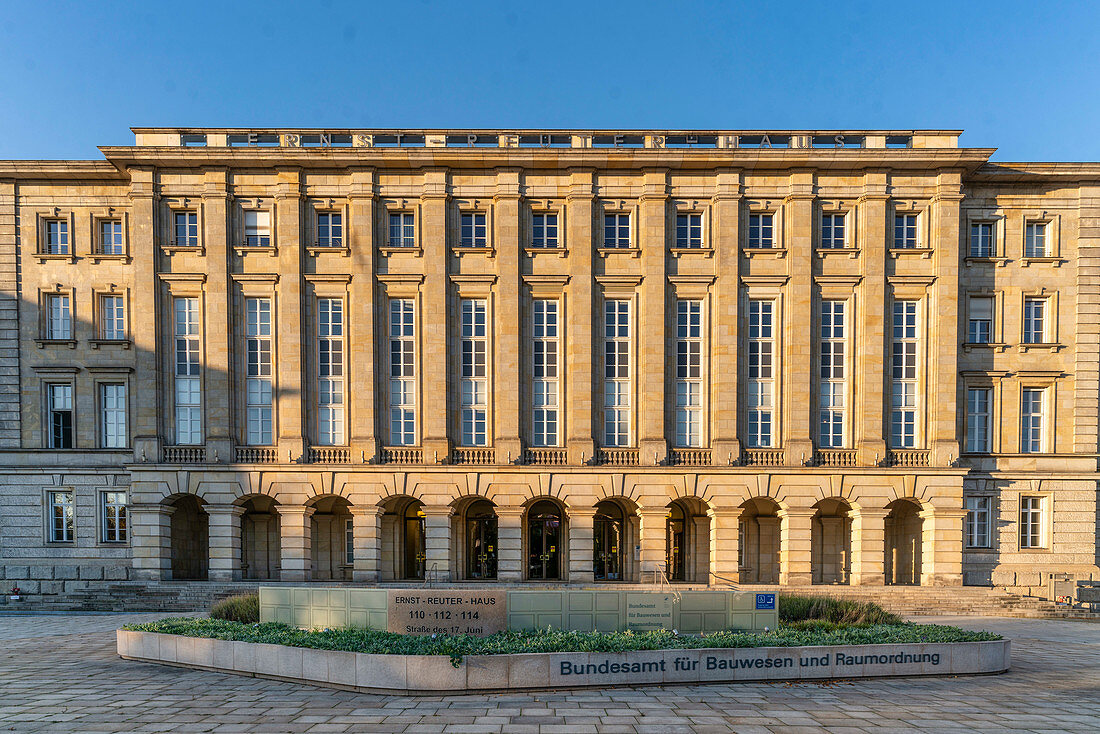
(607, 527)
(544, 542)
(674, 543)
(415, 555)
(481, 541)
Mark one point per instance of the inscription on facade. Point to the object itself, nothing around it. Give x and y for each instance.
(447, 612)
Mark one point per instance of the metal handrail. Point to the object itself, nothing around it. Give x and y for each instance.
(725, 580)
(660, 579)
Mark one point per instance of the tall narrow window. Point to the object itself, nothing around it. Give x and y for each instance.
(981, 239)
(980, 324)
(114, 517)
(257, 228)
(761, 382)
(546, 385)
(188, 394)
(112, 318)
(905, 231)
(977, 522)
(832, 374)
(544, 230)
(402, 373)
(1035, 331)
(112, 415)
(616, 383)
(57, 237)
(59, 324)
(833, 232)
(1033, 530)
(616, 230)
(1031, 421)
(978, 420)
(689, 374)
(330, 371)
(474, 385)
(689, 230)
(903, 413)
(62, 516)
(110, 237)
(402, 230)
(186, 229)
(330, 229)
(472, 230)
(761, 231)
(59, 407)
(349, 541)
(258, 416)
(1035, 239)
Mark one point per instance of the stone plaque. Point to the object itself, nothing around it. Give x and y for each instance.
(447, 611)
(649, 611)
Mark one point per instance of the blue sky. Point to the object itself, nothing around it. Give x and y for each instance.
(1023, 77)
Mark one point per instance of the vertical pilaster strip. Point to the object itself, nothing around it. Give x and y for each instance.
(437, 542)
(508, 319)
(510, 553)
(942, 546)
(366, 540)
(943, 349)
(293, 348)
(219, 324)
(10, 424)
(795, 566)
(295, 538)
(146, 396)
(724, 351)
(651, 539)
(363, 319)
(580, 313)
(1086, 374)
(435, 318)
(873, 325)
(150, 535)
(798, 322)
(581, 539)
(724, 544)
(653, 320)
(224, 538)
(869, 547)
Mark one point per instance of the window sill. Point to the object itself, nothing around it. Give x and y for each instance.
(925, 253)
(256, 249)
(70, 343)
(852, 252)
(174, 249)
(459, 251)
(777, 252)
(340, 250)
(546, 251)
(394, 249)
(998, 261)
(681, 251)
(100, 256)
(627, 251)
(97, 343)
(1051, 347)
(995, 346)
(44, 256)
(1055, 261)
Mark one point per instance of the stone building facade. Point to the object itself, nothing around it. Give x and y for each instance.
(835, 357)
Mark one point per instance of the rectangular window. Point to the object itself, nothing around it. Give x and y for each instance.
(981, 239)
(62, 516)
(330, 371)
(616, 230)
(186, 229)
(114, 517)
(980, 324)
(257, 228)
(544, 230)
(110, 237)
(349, 541)
(903, 413)
(258, 379)
(832, 374)
(905, 231)
(112, 318)
(112, 415)
(402, 373)
(1031, 421)
(59, 404)
(545, 374)
(616, 383)
(1035, 239)
(1035, 331)
(761, 377)
(402, 230)
(59, 324)
(834, 235)
(977, 522)
(330, 229)
(689, 374)
(761, 231)
(689, 230)
(978, 420)
(474, 377)
(57, 237)
(473, 232)
(1033, 530)
(188, 395)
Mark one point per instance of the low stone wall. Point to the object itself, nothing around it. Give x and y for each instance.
(434, 674)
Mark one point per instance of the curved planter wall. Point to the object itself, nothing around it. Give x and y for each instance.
(434, 674)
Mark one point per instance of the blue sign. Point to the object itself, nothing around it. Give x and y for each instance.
(765, 601)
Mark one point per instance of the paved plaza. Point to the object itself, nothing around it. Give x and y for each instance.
(61, 674)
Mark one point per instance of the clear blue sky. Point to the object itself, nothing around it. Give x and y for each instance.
(1023, 77)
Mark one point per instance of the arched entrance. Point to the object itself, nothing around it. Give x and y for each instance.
(190, 539)
(687, 541)
(831, 542)
(904, 531)
(545, 537)
(676, 542)
(260, 548)
(759, 541)
(330, 539)
(403, 550)
(608, 537)
(481, 540)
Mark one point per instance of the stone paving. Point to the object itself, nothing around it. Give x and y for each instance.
(61, 674)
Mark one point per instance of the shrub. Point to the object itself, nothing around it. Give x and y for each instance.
(240, 608)
(796, 609)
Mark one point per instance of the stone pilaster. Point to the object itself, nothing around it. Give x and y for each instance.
(435, 318)
(1086, 374)
(219, 327)
(943, 347)
(294, 336)
(726, 447)
(869, 547)
(150, 540)
(365, 363)
(510, 551)
(295, 543)
(580, 373)
(366, 539)
(798, 323)
(508, 319)
(651, 540)
(10, 423)
(872, 324)
(795, 565)
(437, 542)
(941, 547)
(724, 541)
(144, 395)
(225, 541)
(653, 319)
(580, 541)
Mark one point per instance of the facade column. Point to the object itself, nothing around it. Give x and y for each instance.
(151, 541)
(873, 324)
(219, 326)
(292, 330)
(869, 547)
(943, 352)
(651, 540)
(795, 566)
(295, 543)
(580, 372)
(509, 318)
(941, 547)
(366, 528)
(144, 395)
(580, 541)
(798, 322)
(510, 555)
(363, 319)
(434, 349)
(724, 331)
(725, 552)
(224, 539)
(652, 322)
(437, 542)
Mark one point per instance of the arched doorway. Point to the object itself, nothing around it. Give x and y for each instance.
(545, 537)
(904, 530)
(758, 536)
(403, 550)
(687, 541)
(831, 542)
(676, 542)
(330, 539)
(260, 548)
(190, 539)
(414, 549)
(608, 536)
(481, 540)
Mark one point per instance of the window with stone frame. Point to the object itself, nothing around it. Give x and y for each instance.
(977, 524)
(473, 380)
(61, 516)
(544, 230)
(330, 229)
(689, 230)
(59, 318)
(617, 374)
(761, 374)
(834, 231)
(57, 237)
(187, 369)
(689, 374)
(59, 415)
(904, 383)
(112, 415)
(473, 230)
(114, 517)
(330, 371)
(546, 379)
(1032, 420)
(257, 228)
(1033, 522)
(906, 234)
(761, 234)
(832, 374)
(402, 358)
(982, 243)
(110, 237)
(1036, 323)
(185, 228)
(616, 230)
(402, 229)
(979, 417)
(979, 320)
(112, 317)
(1035, 240)
(259, 372)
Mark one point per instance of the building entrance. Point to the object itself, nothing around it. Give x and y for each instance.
(607, 542)
(481, 541)
(544, 542)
